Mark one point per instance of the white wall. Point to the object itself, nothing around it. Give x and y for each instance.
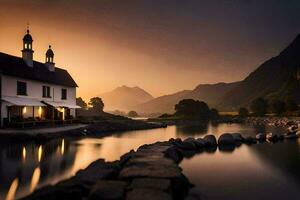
(35, 90)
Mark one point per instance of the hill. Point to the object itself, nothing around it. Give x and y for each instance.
(124, 98)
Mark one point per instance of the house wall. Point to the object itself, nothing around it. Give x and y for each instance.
(35, 91)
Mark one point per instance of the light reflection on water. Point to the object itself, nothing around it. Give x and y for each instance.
(25, 167)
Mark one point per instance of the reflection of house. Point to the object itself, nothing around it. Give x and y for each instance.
(32, 91)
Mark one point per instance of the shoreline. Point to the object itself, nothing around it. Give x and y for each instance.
(150, 172)
(96, 129)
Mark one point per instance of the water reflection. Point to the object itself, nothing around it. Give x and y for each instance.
(12, 189)
(25, 167)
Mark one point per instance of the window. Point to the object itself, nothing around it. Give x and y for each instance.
(63, 93)
(21, 88)
(46, 92)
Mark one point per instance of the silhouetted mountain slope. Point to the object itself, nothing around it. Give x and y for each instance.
(209, 93)
(124, 98)
(276, 78)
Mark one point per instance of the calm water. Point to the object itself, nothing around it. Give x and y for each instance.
(265, 171)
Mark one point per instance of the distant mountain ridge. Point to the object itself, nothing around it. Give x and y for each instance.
(124, 98)
(277, 78)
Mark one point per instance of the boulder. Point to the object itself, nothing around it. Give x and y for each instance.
(210, 140)
(272, 137)
(237, 137)
(174, 154)
(98, 170)
(226, 139)
(200, 143)
(261, 137)
(108, 189)
(291, 135)
(250, 140)
(186, 145)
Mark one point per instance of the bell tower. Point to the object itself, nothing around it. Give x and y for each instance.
(50, 59)
(27, 52)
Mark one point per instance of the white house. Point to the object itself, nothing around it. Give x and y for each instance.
(32, 91)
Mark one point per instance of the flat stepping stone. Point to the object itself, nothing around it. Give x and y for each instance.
(109, 190)
(151, 183)
(153, 171)
(148, 194)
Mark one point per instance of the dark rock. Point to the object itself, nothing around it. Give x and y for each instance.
(272, 137)
(186, 145)
(124, 158)
(108, 190)
(200, 143)
(250, 140)
(226, 148)
(226, 139)
(98, 170)
(174, 154)
(261, 137)
(237, 137)
(151, 183)
(150, 166)
(147, 194)
(291, 135)
(210, 140)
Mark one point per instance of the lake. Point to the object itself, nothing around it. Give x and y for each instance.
(262, 171)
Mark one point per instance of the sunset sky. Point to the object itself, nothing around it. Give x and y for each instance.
(163, 46)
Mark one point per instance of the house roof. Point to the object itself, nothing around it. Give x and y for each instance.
(15, 66)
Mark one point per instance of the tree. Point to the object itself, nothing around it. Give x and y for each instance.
(97, 104)
(278, 107)
(192, 108)
(80, 102)
(259, 106)
(243, 112)
(132, 114)
(214, 113)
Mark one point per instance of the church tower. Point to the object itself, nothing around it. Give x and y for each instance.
(27, 52)
(49, 59)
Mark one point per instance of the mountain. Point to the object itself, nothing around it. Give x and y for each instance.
(124, 98)
(162, 104)
(205, 92)
(277, 78)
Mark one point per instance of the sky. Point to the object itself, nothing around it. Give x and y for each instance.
(162, 46)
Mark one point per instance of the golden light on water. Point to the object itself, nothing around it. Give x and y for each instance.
(62, 150)
(40, 152)
(12, 190)
(35, 179)
(24, 153)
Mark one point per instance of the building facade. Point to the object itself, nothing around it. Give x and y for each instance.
(35, 92)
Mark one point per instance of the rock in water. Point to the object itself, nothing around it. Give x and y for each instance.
(237, 137)
(272, 137)
(210, 140)
(261, 137)
(226, 139)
